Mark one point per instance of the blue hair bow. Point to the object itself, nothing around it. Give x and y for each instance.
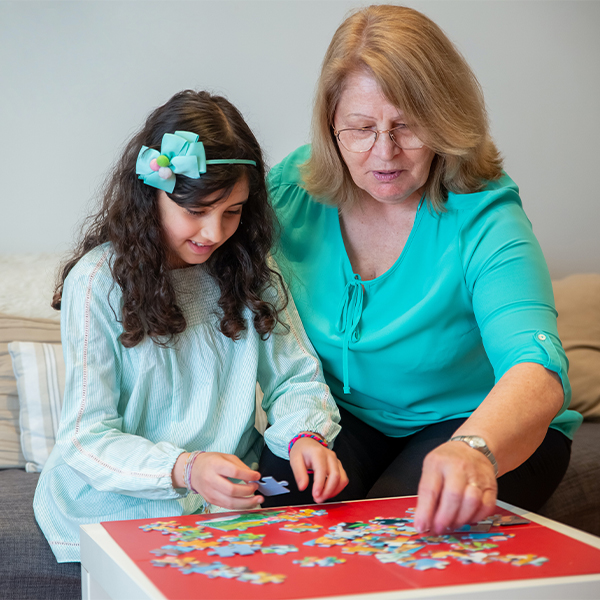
(180, 154)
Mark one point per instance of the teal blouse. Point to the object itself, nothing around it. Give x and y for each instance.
(469, 297)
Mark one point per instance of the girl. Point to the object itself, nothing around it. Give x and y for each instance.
(170, 314)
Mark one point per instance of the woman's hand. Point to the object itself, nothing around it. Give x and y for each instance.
(329, 477)
(210, 478)
(457, 486)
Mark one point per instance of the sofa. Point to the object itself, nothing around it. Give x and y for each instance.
(31, 369)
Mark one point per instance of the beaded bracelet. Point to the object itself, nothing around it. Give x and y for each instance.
(314, 436)
(187, 469)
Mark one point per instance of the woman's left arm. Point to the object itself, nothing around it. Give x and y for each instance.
(458, 484)
(506, 274)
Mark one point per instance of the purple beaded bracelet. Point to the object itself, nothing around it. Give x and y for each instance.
(314, 436)
(187, 470)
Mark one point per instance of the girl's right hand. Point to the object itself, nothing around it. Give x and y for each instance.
(210, 478)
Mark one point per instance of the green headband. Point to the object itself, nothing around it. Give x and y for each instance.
(180, 154)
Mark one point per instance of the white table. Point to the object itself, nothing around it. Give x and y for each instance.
(109, 574)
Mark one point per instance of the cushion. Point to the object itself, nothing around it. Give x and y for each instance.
(40, 372)
(577, 300)
(16, 328)
(28, 285)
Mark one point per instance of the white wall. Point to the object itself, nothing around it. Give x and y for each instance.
(77, 78)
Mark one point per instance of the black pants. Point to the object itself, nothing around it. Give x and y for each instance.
(379, 466)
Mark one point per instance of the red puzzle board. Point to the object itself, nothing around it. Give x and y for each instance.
(359, 574)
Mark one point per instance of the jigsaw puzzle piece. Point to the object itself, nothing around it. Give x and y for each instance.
(300, 527)
(268, 486)
(171, 550)
(232, 550)
(278, 549)
(260, 577)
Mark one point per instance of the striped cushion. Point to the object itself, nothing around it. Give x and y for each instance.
(25, 330)
(40, 372)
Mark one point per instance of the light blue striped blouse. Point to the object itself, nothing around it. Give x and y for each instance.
(129, 413)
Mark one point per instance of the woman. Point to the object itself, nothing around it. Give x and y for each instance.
(420, 282)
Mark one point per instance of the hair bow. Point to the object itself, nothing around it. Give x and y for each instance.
(180, 154)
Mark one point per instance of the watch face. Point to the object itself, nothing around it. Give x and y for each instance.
(476, 442)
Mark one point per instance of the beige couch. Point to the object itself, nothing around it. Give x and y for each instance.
(576, 502)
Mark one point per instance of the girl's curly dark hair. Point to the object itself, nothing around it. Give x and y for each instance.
(129, 220)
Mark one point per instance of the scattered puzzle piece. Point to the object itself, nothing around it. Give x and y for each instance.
(232, 550)
(473, 546)
(361, 549)
(518, 560)
(229, 572)
(482, 526)
(300, 527)
(395, 557)
(326, 542)
(243, 538)
(174, 561)
(199, 544)
(424, 564)
(281, 550)
(314, 561)
(410, 547)
(260, 577)
(164, 527)
(200, 567)
(171, 550)
(506, 520)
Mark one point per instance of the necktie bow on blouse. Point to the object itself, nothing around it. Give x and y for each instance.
(351, 307)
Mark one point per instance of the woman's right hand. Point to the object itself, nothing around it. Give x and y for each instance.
(211, 473)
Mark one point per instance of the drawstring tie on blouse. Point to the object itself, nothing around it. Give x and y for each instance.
(351, 307)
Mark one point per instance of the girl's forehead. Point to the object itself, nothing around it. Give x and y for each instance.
(238, 194)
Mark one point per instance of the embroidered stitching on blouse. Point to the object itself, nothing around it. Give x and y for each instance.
(86, 337)
(114, 469)
(64, 543)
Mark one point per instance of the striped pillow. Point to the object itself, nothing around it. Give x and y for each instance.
(40, 372)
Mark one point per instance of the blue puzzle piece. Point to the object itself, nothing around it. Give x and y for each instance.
(233, 549)
(201, 568)
(423, 564)
(171, 550)
(268, 486)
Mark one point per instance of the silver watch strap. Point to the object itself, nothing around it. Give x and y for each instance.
(480, 446)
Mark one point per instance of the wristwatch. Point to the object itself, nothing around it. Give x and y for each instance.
(477, 443)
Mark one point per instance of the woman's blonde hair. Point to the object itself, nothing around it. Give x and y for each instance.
(419, 70)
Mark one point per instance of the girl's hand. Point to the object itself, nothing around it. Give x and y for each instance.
(457, 486)
(210, 478)
(329, 475)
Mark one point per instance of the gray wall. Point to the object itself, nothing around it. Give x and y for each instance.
(77, 78)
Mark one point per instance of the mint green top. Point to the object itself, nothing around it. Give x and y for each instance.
(128, 413)
(469, 297)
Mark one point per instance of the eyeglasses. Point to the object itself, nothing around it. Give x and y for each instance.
(363, 139)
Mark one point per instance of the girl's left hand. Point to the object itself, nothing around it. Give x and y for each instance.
(329, 477)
